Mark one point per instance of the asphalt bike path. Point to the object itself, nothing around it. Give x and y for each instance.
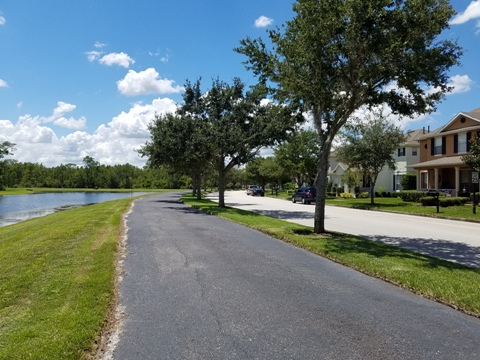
(199, 287)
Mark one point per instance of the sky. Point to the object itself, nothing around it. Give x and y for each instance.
(85, 77)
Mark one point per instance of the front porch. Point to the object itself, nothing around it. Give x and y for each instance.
(448, 174)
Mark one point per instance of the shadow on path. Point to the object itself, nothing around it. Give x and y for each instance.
(447, 250)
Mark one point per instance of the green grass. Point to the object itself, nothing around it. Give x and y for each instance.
(447, 282)
(398, 205)
(57, 281)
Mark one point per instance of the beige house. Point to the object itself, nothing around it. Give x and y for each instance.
(440, 166)
(389, 180)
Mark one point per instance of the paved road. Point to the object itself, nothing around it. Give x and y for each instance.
(199, 287)
(447, 239)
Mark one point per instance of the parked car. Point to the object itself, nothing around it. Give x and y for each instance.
(255, 190)
(305, 194)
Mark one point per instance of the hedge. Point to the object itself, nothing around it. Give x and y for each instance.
(444, 201)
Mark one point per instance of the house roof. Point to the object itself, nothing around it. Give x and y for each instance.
(440, 162)
(474, 115)
(412, 137)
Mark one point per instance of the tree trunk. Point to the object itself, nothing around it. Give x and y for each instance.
(372, 193)
(321, 185)
(221, 184)
(194, 184)
(199, 186)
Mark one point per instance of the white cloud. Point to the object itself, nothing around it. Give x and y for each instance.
(263, 21)
(472, 12)
(2, 20)
(3, 83)
(460, 84)
(99, 45)
(19, 105)
(112, 143)
(120, 59)
(93, 55)
(59, 119)
(146, 82)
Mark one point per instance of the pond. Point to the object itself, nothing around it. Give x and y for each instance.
(17, 208)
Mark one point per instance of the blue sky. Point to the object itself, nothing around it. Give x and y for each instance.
(86, 77)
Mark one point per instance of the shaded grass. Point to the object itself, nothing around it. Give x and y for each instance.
(447, 282)
(57, 281)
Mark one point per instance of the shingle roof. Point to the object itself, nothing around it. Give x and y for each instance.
(443, 161)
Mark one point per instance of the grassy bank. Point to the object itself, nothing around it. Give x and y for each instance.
(57, 281)
(444, 281)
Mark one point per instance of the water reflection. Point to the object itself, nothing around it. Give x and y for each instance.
(17, 208)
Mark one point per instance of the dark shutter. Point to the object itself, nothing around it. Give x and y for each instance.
(398, 152)
(432, 146)
(455, 143)
(469, 136)
(444, 145)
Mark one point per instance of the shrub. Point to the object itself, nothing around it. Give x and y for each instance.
(331, 194)
(409, 182)
(364, 195)
(347, 195)
(443, 201)
(411, 195)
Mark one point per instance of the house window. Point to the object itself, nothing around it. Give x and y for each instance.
(414, 151)
(462, 143)
(401, 152)
(424, 180)
(438, 146)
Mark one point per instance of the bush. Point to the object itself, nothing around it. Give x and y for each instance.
(409, 182)
(411, 195)
(364, 195)
(443, 201)
(289, 186)
(347, 195)
(331, 194)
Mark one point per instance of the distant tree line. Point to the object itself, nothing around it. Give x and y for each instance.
(91, 175)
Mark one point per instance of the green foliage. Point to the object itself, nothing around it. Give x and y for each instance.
(409, 181)
(298, 156)
(473, 157)
(346, 195)
(443, 201)
(370, 146)
(410, 195)
(336, 56)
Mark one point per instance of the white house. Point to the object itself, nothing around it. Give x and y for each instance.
(406, 155)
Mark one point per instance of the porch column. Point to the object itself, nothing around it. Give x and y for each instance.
(419, 180)
(436, 178)
(457, 180)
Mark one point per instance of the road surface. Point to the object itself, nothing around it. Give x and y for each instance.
(199, 287)
(451, 240)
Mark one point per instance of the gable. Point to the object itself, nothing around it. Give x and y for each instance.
(463, 120)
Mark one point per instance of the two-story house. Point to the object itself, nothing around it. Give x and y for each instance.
(389, 180)
(440, 166)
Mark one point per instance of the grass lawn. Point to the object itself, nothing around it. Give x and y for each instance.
(57, 281)
(398, 205)
(447, 282)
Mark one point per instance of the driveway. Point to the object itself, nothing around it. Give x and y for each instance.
(447, 239)
(199, 287)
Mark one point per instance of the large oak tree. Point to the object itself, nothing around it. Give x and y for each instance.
(336, 56)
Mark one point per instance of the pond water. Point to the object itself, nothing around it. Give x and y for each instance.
(17, 208)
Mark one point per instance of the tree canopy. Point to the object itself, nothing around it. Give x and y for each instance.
(336, 56)
(225, 126)
(472, 159)
(369, 147)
